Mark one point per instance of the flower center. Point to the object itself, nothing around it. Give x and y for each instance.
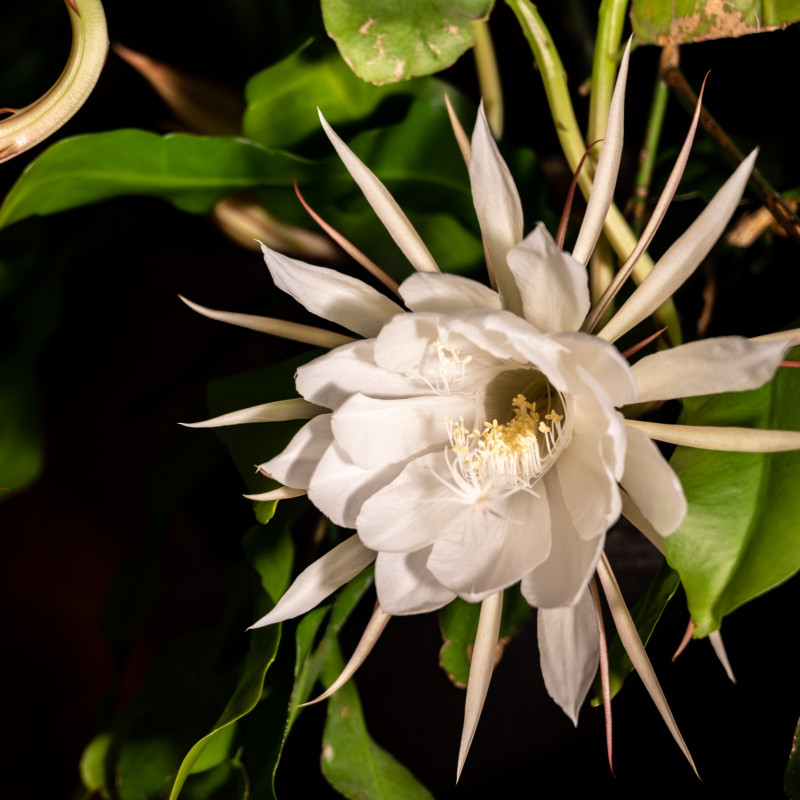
(518, 452)
(444, 367)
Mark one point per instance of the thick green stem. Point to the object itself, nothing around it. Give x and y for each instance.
(489, 77)
(616, 228)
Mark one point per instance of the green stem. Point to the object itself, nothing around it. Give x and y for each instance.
(617, 230)
(647, 157)
(489, 77)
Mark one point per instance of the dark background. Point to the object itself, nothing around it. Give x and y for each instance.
(122, 361)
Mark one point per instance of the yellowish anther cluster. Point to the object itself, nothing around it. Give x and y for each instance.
(450, 368)
(519, 450)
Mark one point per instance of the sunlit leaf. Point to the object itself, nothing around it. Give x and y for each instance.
(739, 537)
(190, 171)
(389, 42)
(666, 22)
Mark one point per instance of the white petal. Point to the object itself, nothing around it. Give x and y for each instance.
(307, 334)
(330, 379)
(710, 366)
(564, 576)
(338, 487)
(296, 464)
(374, 433)
(569, 650)
(331, 295)
(685, 255)
(443, 293)
(730, 439)
(484, 654)
(605, 178)
(405, 586)
(320, 579)
(499, 542)
(498, 208)
(412, 511)
(384, 205)
(588, 486)
(715, 637)
(553, 286)
(652, 484)
(279, 411)
(632, 513)
(281, 493)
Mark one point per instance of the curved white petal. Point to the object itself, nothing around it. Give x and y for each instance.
(414, 510)
(553, 286)
(278, 411)
(444, 292)
(320, 579)
(685, 255)
(384, 205)
(295, 465)
(709, 366)
(405, 586)
(281, 493)
(330, 294)
(378, 432)
(330, 379)
(338, 487)
(564, 576)
(484, 654)
(498, 208)
(605, 177)
(634, 515)
(495, 545)
(652, 484)
(569, 651)
(730, 439)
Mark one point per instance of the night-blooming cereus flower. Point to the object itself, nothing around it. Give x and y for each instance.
(474, 441)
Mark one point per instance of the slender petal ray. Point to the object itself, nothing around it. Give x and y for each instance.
(730, 439)
(604, 676)
(278, 411)
(687, 637)
(685, 255)
(371, 635)
(636, 652)
(792, 335)
(719, 648)
(384, 205)
(605, 177)
(480, 671)
(320, 579)
(306, 334)
(282, 493)
(458, 130)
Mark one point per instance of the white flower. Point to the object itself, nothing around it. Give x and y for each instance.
(474, 441)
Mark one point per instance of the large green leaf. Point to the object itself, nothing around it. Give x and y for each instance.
(282, 100)
(388, 42)
(739, 537)
(351, 760)
(190, 171)
(666, 22)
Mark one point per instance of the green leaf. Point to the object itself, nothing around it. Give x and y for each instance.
(351, 761)
(645, 612)
(93, 764)
(225, 781)
(192, 172)
(263, 546)
(389, 42)
(459, 624)
(282, 100)
(669, 22)
(739, 537)
(791, 778)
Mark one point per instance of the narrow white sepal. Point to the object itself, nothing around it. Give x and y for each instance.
(282, 493)
(371, 635)
(480, 672)
(629, 636)
(306, 334)
(792, 336)
(605, 177)
(319, 580)
(729, 439)
(685, 255)
(569, 652)
(719, 648)
(278, 411)
(384, 205)
(330, 294)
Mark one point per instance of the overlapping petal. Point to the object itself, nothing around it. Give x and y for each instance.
(405, 586)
